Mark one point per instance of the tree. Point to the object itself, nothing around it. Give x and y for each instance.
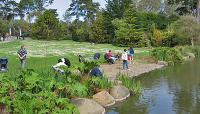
(33, 7)
(116, 8)
(185, 6)
(75, 9)
(127, 32)
(79, 31)
(47, 26)
(8, 9)
(84, 8)
(67, 17)
(187, 30)
(100, 29)
(150, 5)
(3, 27)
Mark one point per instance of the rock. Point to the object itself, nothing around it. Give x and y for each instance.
(191, 55)
(119, 92)
(104, 98)
(87, 106)
(162, 63)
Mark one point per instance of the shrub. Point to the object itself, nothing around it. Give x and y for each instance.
(170, 55)
(31, 93)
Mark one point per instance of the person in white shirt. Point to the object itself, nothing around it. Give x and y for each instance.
(125, 59)
(61, 62)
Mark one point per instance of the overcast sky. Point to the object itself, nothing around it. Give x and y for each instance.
(62, 5)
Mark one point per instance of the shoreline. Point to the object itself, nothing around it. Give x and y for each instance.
(136, 69)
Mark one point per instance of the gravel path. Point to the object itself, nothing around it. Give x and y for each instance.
(111, 70)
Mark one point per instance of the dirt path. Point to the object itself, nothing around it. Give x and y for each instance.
(111, 70)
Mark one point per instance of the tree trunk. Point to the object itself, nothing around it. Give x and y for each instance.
(192, 41)
(198, 11)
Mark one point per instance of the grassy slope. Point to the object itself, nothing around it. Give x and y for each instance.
(43, 54)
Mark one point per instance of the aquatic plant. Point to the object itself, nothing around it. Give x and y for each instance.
(133, 85)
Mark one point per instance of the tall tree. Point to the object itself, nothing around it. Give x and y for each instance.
(34, 7)
(150, 5)
(84, 8)
(8, 9)
(47, 26)
(116, 8)
(102, 29)
(75, 9)
(127, 32)
(185, 6)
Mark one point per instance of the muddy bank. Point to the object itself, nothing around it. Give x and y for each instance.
(111, 70)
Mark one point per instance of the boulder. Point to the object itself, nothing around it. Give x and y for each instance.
(162, 63)
(119, 92)
(87, 106)
(104, 99)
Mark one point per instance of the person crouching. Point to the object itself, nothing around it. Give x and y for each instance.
(61, 62)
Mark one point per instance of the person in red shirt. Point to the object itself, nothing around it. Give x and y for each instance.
(109, 54)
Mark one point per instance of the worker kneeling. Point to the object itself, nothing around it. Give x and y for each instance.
(96, 72)
(61, 62)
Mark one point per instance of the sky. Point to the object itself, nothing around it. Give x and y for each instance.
(63, 5)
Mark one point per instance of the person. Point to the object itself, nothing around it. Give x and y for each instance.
(22, 56)
(96, 56)
(81, 58)
(131, 53)
(96, 72)
(61, 62)
(125, 59)
(110, 56)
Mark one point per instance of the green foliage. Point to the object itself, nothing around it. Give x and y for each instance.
(78, 90)
(127, 32)
(25, 29)
(79, 30)
(116, 8)
(187, 30)
(133, 85)
(170, 55)
(47, 27)
(3, 27)
(96, 84)
(87, 66)
(184, 7)
(31, 93)
(100, 29)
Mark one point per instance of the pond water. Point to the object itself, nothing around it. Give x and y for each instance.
(172, 90)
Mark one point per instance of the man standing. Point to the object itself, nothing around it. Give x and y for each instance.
(125, 59)
(22, 56)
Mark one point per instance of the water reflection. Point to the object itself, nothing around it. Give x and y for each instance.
(173, 90)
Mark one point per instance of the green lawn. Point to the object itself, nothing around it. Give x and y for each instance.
(43, 54)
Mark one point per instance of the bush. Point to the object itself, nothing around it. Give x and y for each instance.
(31, 93)
(170, 55)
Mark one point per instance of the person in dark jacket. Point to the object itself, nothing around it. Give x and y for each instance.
(96, 72)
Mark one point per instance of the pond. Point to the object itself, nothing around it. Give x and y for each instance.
(172, 90)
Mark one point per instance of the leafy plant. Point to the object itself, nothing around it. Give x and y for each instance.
(95, 84)
(87, 66)
(170, 55)
(133, 85)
